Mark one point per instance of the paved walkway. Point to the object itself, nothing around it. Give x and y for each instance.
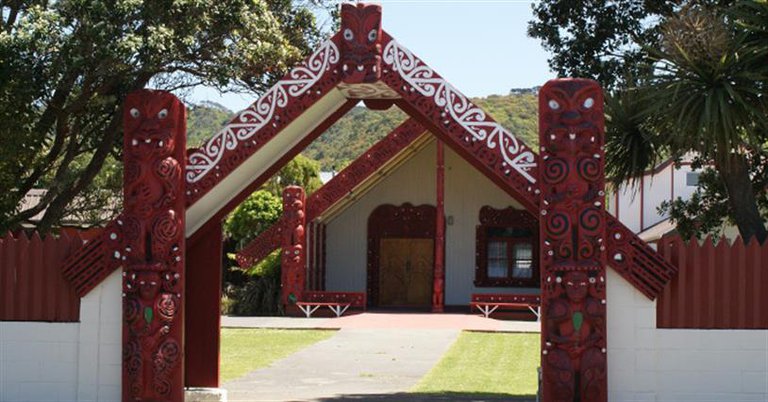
(375, 356)
(352, 362)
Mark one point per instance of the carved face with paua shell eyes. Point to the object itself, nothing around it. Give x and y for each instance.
(360, 43)
(573, 102)
(150, 120)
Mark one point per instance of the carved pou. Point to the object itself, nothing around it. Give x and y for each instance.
(152, 226)
(360, 43)
(572, 227)
(292, 263)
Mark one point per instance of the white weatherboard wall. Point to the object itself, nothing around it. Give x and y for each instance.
(466, 191)
(646, 363)
(42, 361)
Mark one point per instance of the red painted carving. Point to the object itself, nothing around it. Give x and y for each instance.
(264, 244)
(340, 186)
(405, 221)
(572, 226)
(637, 262)
(98, 258)
(152, 229)
(293, 259)
(360, 43)
(459, 123)
(503, 218)
(258, 124)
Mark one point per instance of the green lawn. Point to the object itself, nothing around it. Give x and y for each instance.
(247, 349)
(486, 363)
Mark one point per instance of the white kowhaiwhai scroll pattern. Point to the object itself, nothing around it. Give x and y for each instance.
(298, 81)
(473, 119)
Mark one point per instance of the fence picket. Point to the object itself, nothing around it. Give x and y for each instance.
(32, 287)
(718, 285)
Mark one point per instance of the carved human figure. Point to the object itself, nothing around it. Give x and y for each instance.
(360, 43)
(152, 227)
(293, 244)
(575, 345)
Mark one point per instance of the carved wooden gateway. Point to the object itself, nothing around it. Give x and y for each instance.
(173, 198)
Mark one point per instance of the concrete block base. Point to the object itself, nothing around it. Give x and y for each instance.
(205, 395)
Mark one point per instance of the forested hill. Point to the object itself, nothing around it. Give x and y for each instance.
(360, 128)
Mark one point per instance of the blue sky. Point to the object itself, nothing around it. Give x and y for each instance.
(481, 47)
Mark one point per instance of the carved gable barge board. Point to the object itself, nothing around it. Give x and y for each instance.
(275, 167)
(475, 136)
(303, 99)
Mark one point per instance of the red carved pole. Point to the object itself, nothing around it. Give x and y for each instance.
(572, 227)
(438, 278)
(292, 262)
(152, 227)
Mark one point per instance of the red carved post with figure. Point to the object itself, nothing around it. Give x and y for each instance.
(292, 262)
(572, 227)
(152, 229)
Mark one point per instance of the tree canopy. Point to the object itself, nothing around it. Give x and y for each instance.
(682, 76)
(66, 66)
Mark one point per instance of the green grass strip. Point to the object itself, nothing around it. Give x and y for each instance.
(247, 349)
(492, 364)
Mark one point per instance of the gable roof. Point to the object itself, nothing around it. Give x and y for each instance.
(364, 62)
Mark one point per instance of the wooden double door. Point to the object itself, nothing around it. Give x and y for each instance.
(405, 272)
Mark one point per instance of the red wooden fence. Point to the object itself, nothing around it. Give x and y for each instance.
(717, 286)
(32, 287)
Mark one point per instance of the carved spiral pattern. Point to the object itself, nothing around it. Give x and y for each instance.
(167, 168)
(556, 170)
(167, 307)
(166, 228)
(162, 387)
(591, 219)
(558, 224)
(131, 309)
(586, 250)
(589, 169)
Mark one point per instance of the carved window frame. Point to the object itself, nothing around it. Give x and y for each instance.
(505, 218)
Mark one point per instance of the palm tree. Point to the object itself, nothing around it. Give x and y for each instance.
(707, 94)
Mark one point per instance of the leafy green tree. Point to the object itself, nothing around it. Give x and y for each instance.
(258, 212)
(300, 171)
(66, 66)
(708, 94)
(699, 85)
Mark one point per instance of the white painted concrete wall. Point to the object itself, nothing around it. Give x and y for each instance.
(466, 191)
(650, 364)
(66, 361)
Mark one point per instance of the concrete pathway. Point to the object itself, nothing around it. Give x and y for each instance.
(354, 364)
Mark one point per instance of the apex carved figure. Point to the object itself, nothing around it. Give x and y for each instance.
(572, 227)
(152, 227)
(360, 43)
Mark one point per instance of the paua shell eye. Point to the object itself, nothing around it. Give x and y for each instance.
(162, 114)
(372, 35)
(554, 105)
(589, 102)
(135, 113)
(348, 35)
